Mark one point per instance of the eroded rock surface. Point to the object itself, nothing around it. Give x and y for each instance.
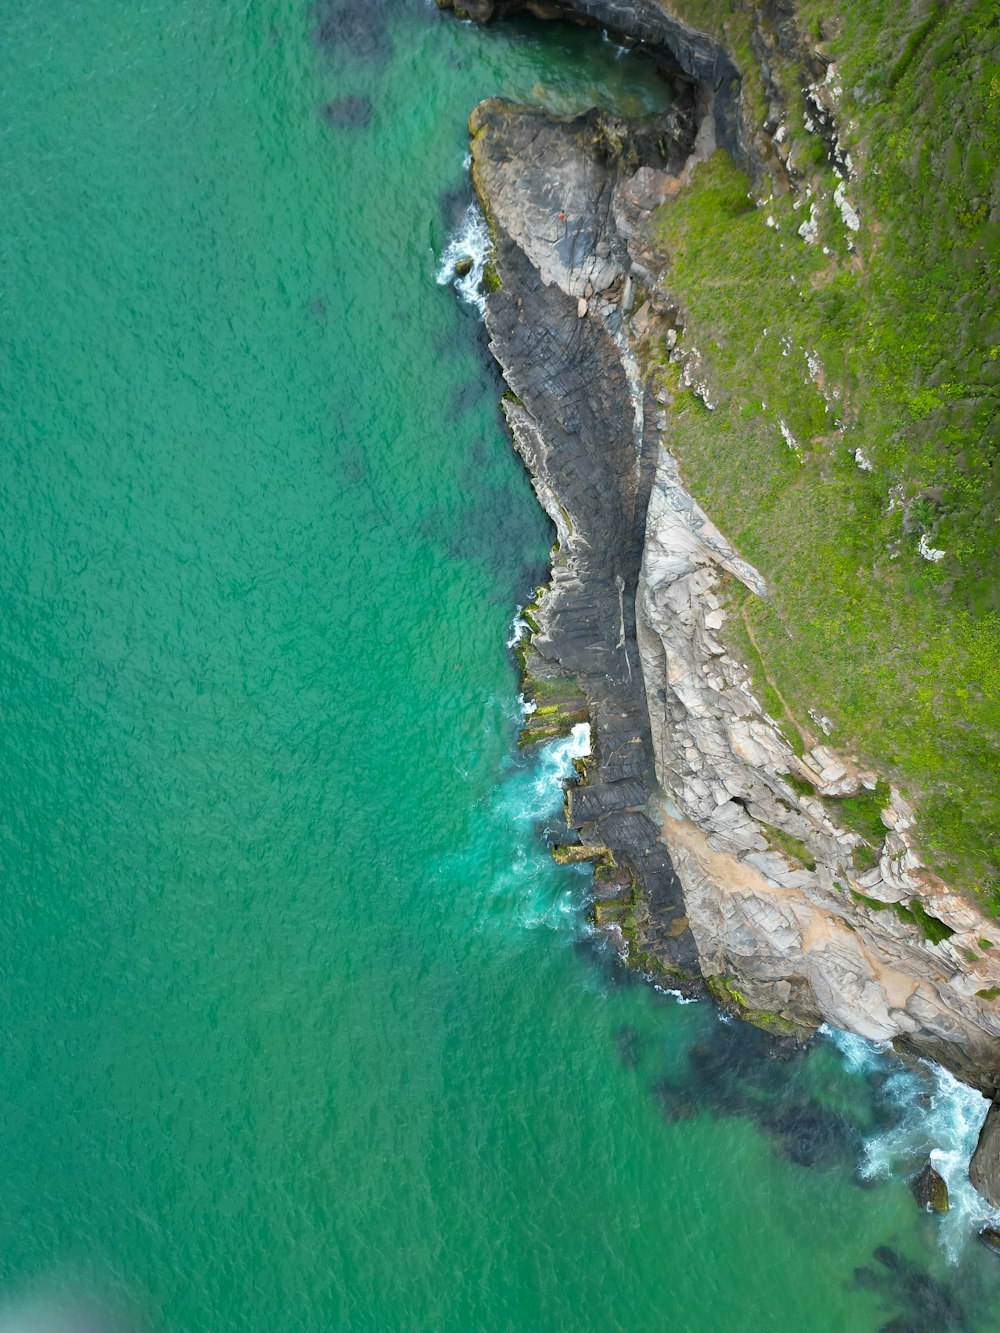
(762, 877)
(575, 423)
(743, 872)
(984, 1169)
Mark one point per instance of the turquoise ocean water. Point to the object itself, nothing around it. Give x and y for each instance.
(302, 1029)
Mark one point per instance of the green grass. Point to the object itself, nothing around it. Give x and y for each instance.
(794, 848)
(914, 914)
(901, 653)
(862, 813)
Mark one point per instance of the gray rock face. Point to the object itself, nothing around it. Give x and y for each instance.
(582, 433)
(686, 54)
(695, 788)
(984, 1169)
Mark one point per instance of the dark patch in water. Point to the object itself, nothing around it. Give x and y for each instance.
(354, 467)
(915, 1301)
(454, 202)
(354, 27)
(349, 112)
(598, 954)
(490, 529)
(737, 1070)
(471, 331)
(480, 457)
(464, 397)
(629, 1045)
(318, 307)
(552, 831)
(674, 1102)
(530, 576)
(809, 1135)
(361, 29)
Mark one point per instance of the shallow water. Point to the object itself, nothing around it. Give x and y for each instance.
(304, 1029)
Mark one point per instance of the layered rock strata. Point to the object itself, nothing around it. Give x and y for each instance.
(792, 918)
(760, 890)
(552, 193)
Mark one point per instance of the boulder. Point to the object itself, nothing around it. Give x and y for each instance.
(991, 1239)
(984, 1169)
(930, 1190)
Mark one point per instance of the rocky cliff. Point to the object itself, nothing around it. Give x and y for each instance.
(723, 852)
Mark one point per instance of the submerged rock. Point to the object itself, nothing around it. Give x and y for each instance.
(358, 31)
(674, 1102)
(917, 1301)
(349, 112)
(810, 1135)
(990, 1237)
(629, 1046)
(930, 1190)
(984, 1169)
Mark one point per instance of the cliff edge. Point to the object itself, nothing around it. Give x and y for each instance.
(735, 839)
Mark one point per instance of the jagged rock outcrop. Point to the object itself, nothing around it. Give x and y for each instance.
(930, 1190)
(763, 878)
(764, 891)
(551, 192)
(984, 1169)
(692, 59)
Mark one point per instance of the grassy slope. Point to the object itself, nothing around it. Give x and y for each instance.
(901, 653)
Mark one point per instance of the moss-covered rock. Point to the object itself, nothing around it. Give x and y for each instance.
(725, 991)
(930, 1190)
(557, 703)
(575, 853)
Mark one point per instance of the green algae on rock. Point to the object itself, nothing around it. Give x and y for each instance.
(930, 1190)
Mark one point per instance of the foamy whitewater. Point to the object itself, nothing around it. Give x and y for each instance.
(941, 1119)
(529, 799)
(470, 240)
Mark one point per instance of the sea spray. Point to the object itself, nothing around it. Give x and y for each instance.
(469, 240)
(519, 627)
(529, 889)
(938, 1117)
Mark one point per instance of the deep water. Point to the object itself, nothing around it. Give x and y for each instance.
(303, 1029)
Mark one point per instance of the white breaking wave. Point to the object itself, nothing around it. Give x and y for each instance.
(470, 240)
(518, 629)
(542, 794)
(941, 1118)
(530, 796)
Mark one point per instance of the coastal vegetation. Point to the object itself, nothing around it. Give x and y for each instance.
(847, 328)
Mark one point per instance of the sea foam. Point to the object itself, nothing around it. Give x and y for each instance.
(940, 1117)
(470, 240)
(538, 893)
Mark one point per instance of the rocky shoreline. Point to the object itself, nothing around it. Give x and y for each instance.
(720, 856)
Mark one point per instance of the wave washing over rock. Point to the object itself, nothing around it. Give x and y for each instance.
(463, 262)
(693, 796)
(940, 1119)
